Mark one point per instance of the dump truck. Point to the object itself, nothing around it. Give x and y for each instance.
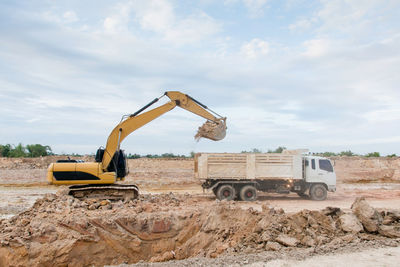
(240, 175)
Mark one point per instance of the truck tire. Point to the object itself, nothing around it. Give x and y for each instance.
(318, 192)
(226, 192)
(248, 193)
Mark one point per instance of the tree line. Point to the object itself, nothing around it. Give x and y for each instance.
(28, 151)
(38, 150)
(347, 153)
(156, 156)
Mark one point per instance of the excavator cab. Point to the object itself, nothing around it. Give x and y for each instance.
(117, 164)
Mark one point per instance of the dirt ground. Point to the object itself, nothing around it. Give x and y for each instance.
(22, 183)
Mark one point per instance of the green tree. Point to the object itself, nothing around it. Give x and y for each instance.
(277, 150)
(5, 150)
(133, 156)
(373, 154)
(325, 154)
(168, 155)
(391, 156)
(38, 150)
(347, 153)
(254, 150)
(18, 152)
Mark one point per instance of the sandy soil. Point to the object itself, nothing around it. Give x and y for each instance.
(377, 179)
(22, 182)
(15, 199)
(368, 258)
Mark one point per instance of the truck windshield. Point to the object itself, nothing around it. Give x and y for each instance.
(325, 165)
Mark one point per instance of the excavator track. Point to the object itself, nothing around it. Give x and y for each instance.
(113, 192)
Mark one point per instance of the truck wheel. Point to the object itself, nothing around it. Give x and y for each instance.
(248, 193)
(226, 192)
(318, 192)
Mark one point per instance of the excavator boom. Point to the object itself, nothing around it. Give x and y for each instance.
(134, 121)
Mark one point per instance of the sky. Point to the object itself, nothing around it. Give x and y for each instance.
(321, 75)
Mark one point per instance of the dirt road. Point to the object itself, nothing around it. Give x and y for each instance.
(366, 256)
(15, 199)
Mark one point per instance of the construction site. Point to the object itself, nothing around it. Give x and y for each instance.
(199, 133)
(173, 222)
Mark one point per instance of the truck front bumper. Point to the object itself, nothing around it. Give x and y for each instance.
(332, 188)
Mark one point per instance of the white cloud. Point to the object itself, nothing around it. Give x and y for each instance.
(255, 7)
(316, 48)
(346, 15)
(255, 48)
(70, 16)
(118, 20)
(230, 2)
(154, 15)
(301, 25)
(159, 17)
(390, 114)
(61, 18)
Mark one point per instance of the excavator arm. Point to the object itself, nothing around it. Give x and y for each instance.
(214, 128)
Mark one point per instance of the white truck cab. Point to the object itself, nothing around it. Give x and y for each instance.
(319, 170)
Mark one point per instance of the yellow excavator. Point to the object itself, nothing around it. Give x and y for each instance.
(99, 179)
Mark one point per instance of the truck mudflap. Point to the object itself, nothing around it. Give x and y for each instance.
(332, 188)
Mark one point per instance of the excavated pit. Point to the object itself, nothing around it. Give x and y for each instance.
(62, 231)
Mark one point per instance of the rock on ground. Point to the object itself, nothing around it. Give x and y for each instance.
(350, 223)
(368, 216)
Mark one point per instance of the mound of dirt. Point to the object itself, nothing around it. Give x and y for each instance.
(60, 230)
(367, 170)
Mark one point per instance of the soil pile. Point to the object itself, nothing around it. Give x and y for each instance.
(367, 170)
(34, 163)
(60, 230)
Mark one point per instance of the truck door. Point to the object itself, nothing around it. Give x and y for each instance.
(320, 170)
(327, 174)
(311, 170)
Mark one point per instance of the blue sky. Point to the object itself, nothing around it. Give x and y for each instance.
(322, 75)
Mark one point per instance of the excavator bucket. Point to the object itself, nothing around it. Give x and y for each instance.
(212, 130)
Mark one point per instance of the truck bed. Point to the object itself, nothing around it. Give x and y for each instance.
(238, 166)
